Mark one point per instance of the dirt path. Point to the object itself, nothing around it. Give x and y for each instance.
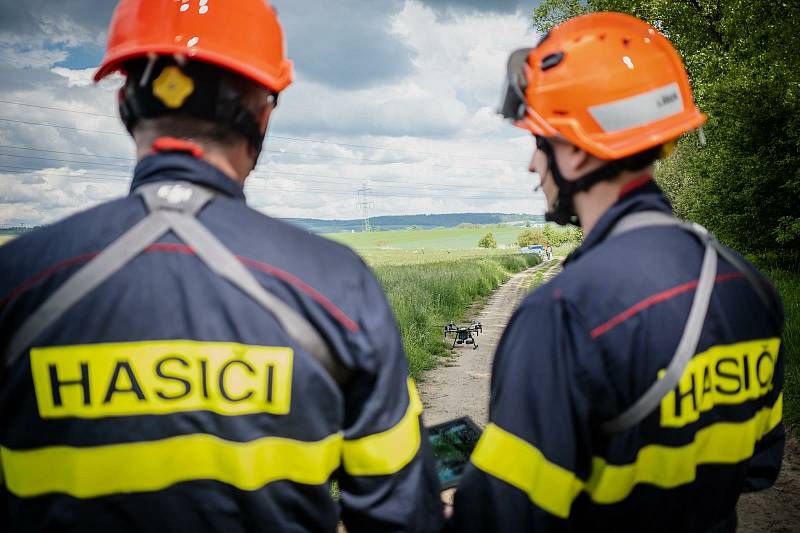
(461, 387)
(776, 510)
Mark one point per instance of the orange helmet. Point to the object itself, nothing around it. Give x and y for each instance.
(609, 83)
(242, 36)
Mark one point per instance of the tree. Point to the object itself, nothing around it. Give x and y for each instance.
(551, 235)
(742, 61)
(487, 241)
(530, 236)
(574, 234)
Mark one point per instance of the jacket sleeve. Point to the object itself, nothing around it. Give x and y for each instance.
(535, 454)
(388, 479)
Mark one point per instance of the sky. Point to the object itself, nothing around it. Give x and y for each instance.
(395, 96)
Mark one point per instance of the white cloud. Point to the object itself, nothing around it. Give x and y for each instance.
(75, 78)
(448, 150)
(30, 57)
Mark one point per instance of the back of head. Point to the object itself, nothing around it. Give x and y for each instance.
(607, 83)
(200, 70)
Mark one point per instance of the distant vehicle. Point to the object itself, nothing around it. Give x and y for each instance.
(533, 249)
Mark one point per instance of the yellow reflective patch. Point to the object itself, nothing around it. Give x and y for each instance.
(553, 488)
(160, 377)
(89, 472)
(389, 451)
(518, 463)
(669, 467)
(173, 87)
(729, 374)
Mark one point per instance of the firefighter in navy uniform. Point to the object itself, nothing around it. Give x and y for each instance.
(639, 390)
(176, 361)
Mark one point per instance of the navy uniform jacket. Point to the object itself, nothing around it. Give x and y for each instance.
(167, 400)
(583, 348)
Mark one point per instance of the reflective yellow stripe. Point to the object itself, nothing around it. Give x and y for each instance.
(553, 488)
(389, 451)
(518, 463)
(668, 467)
(161, 377)
(149, 466)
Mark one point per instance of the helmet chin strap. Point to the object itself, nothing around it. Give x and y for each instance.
(563, 211)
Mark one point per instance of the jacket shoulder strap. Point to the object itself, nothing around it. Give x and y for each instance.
(687, 346)
(112, 259)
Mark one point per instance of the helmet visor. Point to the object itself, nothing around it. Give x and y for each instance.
(514, 105)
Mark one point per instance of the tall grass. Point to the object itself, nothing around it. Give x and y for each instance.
(787, 281)
(427, 296)
(784, 271)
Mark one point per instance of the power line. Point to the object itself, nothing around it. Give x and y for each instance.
(61, 127)
(271, 150)
(297, 139)
(383, 181)
(42, 172)
(94, 177)
(368, 160)
(66, 153)
(58, 109)
(411, 189)
(267, 173)
(460, 156)
(65, 160)
(335, 192)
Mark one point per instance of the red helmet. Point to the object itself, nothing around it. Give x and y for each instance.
(244, 37)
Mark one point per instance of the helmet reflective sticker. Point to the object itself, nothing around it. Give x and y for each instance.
(644, 108)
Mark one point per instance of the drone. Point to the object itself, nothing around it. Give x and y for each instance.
(464, 334)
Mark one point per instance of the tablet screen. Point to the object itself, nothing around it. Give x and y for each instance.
(452, 444)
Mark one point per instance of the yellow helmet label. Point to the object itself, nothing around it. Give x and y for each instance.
(173, 87)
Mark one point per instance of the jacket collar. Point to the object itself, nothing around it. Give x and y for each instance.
(646, 197)
(182, 166)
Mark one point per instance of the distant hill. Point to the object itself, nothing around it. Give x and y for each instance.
(15, 230)
(385, 223)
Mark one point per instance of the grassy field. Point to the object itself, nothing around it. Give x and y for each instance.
(427, 296)
(377, 257)
(5, 238)
(428, 240)
(432, 276)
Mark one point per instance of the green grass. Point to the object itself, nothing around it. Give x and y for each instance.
(381, 257)
(428, 240)
(427, 296)
(432, 276)
(787, 281)
(537, 280)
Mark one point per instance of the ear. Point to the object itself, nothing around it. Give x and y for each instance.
(263, 117)
(578, 160)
